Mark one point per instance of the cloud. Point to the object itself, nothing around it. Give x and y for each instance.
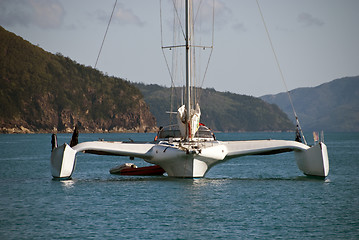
(239, 27)
(42, 13)
(13, 12)
(48, 13)
(121, 15)
(222, 13)
(308, 20)
(126, 16)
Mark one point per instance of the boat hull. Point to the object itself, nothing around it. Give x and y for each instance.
(192, 159)
(63, 161)
(180, 162)
(314, 161)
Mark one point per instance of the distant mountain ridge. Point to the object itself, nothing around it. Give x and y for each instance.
(221, 111)
(43, 92)
(332, 106)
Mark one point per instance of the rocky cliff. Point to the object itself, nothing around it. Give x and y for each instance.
(43, 92)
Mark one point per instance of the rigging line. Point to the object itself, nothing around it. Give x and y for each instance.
(205, 71)
(168, 68)
(104, 37)
(173, 73)
(210, 55)
(161, 24)
(198, 8)
(213, 23)
(174, 67)
(161, 28)
(280, 71)
(164, 55)
(205, 74)
(193, 54)
(179, 19)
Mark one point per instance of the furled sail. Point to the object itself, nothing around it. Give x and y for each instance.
(194, 121)
(188, 128)
(181, 120)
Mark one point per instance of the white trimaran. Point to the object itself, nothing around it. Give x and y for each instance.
(192, 150)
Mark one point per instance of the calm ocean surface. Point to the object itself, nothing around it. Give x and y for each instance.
(257, 197)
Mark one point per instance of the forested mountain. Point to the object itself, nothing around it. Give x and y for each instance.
(42, 92)
(221, 111)
(332, 106)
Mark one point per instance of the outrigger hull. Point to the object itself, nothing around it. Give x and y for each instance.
(314, 161)
(63, 161)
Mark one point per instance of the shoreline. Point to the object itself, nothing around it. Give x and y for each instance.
(23, 130)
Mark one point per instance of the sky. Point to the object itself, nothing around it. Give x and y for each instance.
(316, 41)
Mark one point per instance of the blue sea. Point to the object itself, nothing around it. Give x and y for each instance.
(254, 197)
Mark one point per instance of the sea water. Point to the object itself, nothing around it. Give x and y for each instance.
(254, 197)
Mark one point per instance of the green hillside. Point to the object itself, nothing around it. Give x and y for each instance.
(332, 106)
(42, 92)
(220, 111)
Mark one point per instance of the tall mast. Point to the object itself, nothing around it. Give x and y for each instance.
(188, 65)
